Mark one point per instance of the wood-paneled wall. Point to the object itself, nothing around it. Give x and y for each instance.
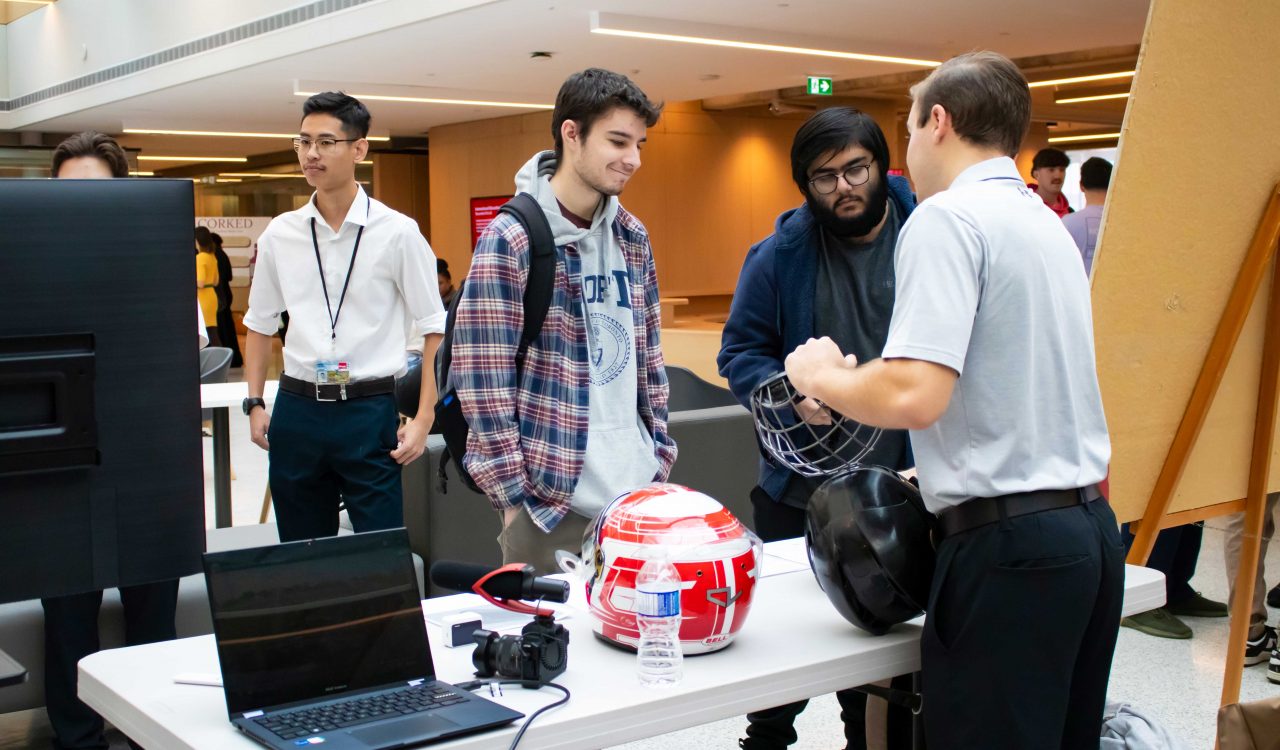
(402, 182)
(710, 184)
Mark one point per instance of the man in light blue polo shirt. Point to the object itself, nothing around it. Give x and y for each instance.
(990, 364)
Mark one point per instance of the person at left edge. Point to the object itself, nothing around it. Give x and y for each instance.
(352, 274)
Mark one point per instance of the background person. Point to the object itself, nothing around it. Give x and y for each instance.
(207, 282)
(1048, 172)
(226, 323)
(71, 622)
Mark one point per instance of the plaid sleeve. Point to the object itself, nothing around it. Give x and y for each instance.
(656, 376)
(486, 335)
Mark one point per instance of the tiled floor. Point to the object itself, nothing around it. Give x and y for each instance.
(1177, 682)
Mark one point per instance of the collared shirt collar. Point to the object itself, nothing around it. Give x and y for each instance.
(357, 214)
(999, 168)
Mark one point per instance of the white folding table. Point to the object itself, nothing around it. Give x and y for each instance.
(794, 645)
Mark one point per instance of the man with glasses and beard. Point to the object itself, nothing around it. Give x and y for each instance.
(827, 270)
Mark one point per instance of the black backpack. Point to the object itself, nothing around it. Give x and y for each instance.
(537, 300)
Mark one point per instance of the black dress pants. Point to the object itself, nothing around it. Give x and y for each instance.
(227, 336)
(775, 727)
(328, 452)
(1021, 626)
(71, 633)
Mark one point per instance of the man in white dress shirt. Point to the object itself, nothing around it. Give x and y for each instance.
(990, 364)
(352, 274)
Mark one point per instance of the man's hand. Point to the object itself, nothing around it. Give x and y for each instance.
(811, 359)
(813, 412)
(259, 423)
(412, 439)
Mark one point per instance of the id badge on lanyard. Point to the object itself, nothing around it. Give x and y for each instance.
(335, 370)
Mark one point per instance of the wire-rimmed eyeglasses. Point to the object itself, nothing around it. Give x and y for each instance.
(825, 184)
(325, 146)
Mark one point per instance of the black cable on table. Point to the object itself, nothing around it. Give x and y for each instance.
(528, 685)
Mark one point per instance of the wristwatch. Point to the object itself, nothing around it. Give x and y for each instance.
(249, 403)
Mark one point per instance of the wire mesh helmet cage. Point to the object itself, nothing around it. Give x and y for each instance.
(811, 450)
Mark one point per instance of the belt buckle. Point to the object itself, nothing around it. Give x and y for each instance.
(322, 398)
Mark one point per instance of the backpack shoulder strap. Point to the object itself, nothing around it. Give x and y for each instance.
(542, 265)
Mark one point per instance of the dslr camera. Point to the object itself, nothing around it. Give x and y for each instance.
(540, 653)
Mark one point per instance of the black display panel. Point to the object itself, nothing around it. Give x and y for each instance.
(101, 480)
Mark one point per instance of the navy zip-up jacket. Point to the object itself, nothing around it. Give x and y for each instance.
(772, 311)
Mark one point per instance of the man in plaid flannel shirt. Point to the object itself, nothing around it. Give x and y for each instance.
(587, 419)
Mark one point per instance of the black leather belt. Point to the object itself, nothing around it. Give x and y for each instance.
(982, 511)
(333, 392)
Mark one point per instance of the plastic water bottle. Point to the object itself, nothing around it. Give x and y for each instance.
(659, 658)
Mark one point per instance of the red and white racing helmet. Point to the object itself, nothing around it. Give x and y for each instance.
(717, 557)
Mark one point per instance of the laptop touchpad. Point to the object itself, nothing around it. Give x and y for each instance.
(409, 728)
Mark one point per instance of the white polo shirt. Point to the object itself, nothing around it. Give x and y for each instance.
(393, 287)
(989, 285)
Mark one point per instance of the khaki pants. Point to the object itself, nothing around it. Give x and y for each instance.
(522, 541)
(1235, 541)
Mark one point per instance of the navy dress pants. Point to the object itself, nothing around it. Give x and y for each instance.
(1021, 626)
(328, 452)
(71, 633)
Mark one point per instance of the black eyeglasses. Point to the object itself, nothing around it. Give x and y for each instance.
(825, 184)
(324, 145)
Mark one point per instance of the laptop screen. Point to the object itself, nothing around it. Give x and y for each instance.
(311, 619)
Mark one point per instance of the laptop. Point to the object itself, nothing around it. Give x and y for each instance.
(322, 642)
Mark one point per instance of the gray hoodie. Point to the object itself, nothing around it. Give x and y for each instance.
(620, 452)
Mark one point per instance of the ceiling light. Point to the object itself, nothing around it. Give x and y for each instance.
(227, 134)
(431, 100)
(228, 179)
(1082, 79)
(1092, 98)
(261, 174)
(615, 25)
(142, 174)
(1087, 137)
(192, 158)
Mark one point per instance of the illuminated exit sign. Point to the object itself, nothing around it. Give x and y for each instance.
(820, 86)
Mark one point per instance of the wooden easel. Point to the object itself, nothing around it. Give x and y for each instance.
(1262, 252)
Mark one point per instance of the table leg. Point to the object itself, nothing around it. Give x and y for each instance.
(222, 467)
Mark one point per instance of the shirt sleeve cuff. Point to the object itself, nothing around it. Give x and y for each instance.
(925, 354)
(264, 324)
(431, 324)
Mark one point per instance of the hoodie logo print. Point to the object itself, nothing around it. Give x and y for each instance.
(610, 349)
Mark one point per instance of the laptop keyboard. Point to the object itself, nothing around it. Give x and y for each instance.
(408, 700)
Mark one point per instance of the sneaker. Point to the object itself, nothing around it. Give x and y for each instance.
(1273, 596)
(1198, 606)
(1158, 622)
(1258, 650)
(1273, 669)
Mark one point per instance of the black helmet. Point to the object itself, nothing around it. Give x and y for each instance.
(867, 530)
(409, 388)
(868, 537)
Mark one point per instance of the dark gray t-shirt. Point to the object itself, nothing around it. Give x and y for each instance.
(853, 304)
